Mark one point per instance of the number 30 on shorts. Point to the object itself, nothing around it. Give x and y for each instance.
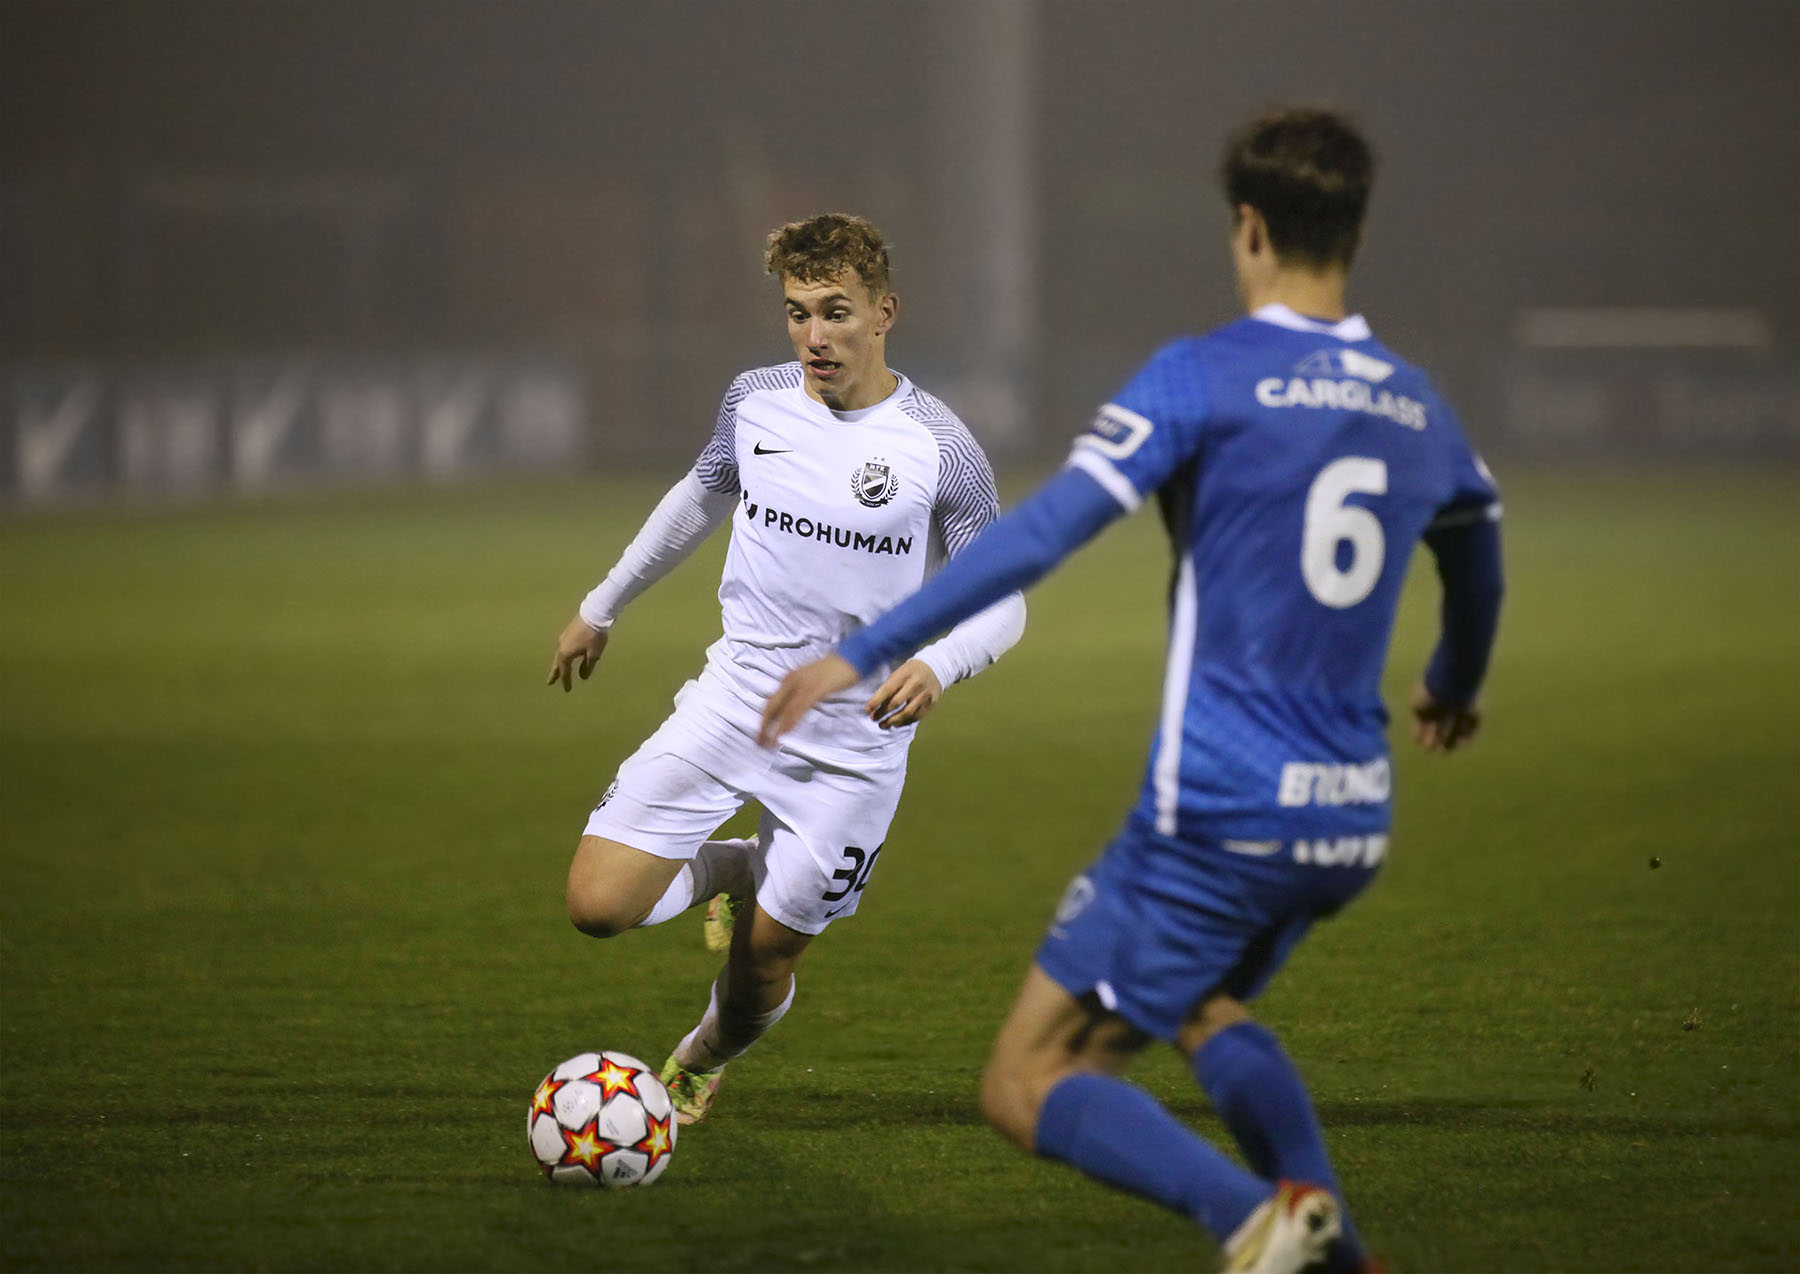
(854, 874)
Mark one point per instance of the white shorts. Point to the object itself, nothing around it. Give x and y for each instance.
(822, 825)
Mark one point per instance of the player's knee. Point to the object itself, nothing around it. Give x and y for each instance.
(595, 914)
(1006, 1103)
(1212, 1015)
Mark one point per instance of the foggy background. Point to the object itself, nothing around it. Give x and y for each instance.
(253, 244)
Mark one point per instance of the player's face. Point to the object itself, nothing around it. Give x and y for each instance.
(840, 337)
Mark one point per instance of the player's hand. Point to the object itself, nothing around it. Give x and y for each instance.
(577, 651)
(906, 696)
(799, 691)
(1438, 728)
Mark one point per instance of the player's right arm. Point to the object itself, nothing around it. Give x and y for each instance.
(693, 509)
(681, 520)
(1011, 555)
(1134, 444)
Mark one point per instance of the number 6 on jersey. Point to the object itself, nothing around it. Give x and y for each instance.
(1330, 521)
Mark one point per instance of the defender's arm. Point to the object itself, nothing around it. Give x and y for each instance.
(1011, 555)
(967, 504)
(916, 685)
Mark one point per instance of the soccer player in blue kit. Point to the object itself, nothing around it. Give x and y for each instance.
(1295, 461)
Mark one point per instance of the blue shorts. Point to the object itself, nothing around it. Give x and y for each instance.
(1156, 924)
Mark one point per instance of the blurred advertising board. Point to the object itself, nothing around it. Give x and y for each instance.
(1693, 407)
(1689, 381)
(84, 429)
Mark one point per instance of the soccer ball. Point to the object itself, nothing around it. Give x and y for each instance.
(602, 1119)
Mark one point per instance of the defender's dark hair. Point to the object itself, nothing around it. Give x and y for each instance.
(820, 248)
(1308, 172)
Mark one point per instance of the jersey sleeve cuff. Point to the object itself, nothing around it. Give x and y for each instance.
(943, 666)
(1467, 515)
(856, 651)
(1101, 470)
(596, 610)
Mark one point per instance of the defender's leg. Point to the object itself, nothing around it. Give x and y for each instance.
(1052, 1086)
(1048, 1036)
(1259, 1094)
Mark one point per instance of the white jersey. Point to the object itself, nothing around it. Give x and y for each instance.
(840, 515)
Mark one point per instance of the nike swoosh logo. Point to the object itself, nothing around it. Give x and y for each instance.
(760, 450)
(837, 911)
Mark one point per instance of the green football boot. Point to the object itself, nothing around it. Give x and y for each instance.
(691, 1091)
(721, 918)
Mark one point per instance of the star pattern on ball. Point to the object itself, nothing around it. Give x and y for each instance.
(656, 1143)
(614, 1078)
(545, 1095)
(585, 1147)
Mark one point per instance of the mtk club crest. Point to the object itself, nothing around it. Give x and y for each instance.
(874, 484)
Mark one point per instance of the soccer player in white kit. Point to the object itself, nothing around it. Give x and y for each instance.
(845, 485)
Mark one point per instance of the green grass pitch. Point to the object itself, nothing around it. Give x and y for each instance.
(286, 812)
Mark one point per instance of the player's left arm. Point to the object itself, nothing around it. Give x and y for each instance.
(967, 504)
(1464, 539)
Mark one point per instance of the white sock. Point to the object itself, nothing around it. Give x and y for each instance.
(709, 1045)
(723, 867)
(717, 867)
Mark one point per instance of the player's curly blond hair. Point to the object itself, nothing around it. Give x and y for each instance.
(820, 248)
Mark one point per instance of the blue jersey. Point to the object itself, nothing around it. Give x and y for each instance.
(1295, 464)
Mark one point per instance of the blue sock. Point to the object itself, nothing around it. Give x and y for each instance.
(1262, 1099)
(1119, 1134)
